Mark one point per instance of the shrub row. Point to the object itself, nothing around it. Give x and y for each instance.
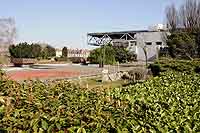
(180, 65)
(168, 103)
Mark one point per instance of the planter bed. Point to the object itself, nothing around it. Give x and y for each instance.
(23, 61)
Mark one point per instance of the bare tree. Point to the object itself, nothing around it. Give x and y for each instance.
(7, 30)
(198, 16)
(183, 17)
(7, 33)
(187, 19)
(172, 17)
(189, 15)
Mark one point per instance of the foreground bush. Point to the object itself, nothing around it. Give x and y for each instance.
(179, 65)
(155, 69)
(169, 103)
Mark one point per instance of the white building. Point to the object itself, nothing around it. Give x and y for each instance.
(58, 52)
(78, 53)
(134, 41)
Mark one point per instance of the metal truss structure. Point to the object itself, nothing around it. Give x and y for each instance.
(101, 39)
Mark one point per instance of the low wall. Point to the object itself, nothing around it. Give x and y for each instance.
(23, 61)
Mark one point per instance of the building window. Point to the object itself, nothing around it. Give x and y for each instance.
(132, 43)
(158, 43)
(148, 43)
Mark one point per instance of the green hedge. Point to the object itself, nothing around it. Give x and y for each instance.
(25, 50)
(77, 59)
(179, 65)
(168, 103)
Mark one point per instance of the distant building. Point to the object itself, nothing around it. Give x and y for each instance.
(158, 27)
(78, 53)
(134, 41)
(58, 52)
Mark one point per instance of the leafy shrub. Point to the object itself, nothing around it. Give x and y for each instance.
(181, 44)
(197, 69)
(155, 69)
(112, 55)
(65, 52)
(131, 57)
(134, 75)
(105, 54)
(122, 55)
(61, 59)
(48, 52)
(179, 65)
(169, 103)
(139, 75)
(24, 50)
(76, 59)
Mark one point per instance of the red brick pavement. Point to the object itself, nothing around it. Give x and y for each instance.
(41, 74)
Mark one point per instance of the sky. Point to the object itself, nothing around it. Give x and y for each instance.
(67, 22)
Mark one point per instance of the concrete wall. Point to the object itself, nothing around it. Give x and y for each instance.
(143, 37)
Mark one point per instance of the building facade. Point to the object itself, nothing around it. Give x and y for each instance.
(134, 41)
(84, 53)
(58, 52)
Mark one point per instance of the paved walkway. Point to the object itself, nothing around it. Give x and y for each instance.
(59, 71)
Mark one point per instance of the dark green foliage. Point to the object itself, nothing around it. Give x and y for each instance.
(61, 59)
(76, 59)
(95, 56)
(197, 69)
(105, 54)
(179, 65)
(155, 69)
(48, 52)
(65, 52)
(198, 43)
(121, 54)
(109, 55)
(36, 50)
(112, 55)
(51, 51)
(131, 57)
(24, 50)
(181, 44)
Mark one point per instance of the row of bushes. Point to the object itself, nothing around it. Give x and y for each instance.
(179, 65)
(71, 59)
(110, 55)
(169, 103)
(25, 50)
(167, 64)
